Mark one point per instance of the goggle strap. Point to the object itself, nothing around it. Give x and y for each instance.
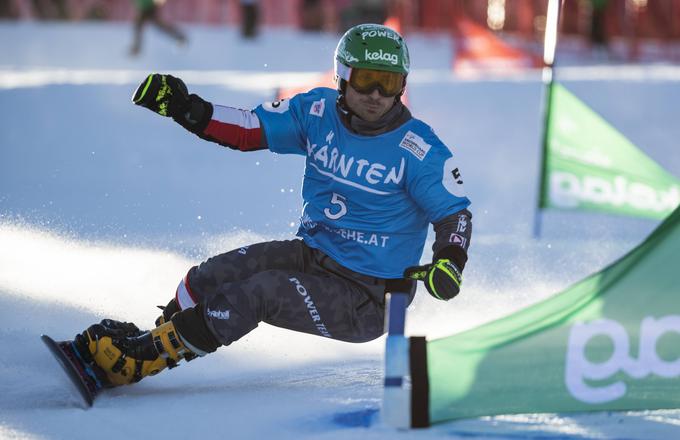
(343, 71)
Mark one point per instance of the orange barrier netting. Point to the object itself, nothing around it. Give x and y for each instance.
(477, 50)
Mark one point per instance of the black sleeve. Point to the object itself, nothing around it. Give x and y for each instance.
(452, 238)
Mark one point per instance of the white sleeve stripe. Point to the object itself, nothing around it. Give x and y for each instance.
(235, 116)
(184, 299)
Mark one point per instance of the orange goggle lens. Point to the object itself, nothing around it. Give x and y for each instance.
(366, 80)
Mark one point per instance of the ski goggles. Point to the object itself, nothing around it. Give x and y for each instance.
(365, 81)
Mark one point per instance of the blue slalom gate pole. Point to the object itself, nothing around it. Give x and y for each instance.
(396, 408)
(395, 315)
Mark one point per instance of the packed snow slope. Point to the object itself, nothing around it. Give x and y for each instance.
(104, 206)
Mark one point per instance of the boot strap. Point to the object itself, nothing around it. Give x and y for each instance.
(120, 363)
(181, 351)
(160, 348)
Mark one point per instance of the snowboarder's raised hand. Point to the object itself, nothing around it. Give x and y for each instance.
(163, 94)
(168, 96)
(442, 278)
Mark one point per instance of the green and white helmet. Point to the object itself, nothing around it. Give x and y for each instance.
(370, 46)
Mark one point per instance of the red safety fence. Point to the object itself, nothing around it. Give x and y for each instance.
(624, 25)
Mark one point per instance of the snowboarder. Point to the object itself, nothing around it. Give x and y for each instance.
(375, 178)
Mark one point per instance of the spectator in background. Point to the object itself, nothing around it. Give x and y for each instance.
(249, 17)
(311, 15)
(149, 10)
(363, 11)
(598, 35)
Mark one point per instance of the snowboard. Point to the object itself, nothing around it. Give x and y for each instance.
(80, 374)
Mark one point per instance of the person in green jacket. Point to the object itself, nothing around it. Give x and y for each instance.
(148, 10)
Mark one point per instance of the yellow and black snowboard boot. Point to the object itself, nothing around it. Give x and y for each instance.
(126, 355)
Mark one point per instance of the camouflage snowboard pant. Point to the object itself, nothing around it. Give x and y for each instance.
(289, 285)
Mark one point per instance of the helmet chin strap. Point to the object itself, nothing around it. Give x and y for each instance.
(342, 105)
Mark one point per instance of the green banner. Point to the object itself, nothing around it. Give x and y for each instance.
(589, 165)
(610, 342)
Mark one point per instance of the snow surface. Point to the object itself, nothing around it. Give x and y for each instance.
(104, 206)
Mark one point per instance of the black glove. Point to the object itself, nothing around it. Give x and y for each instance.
(442, 278)
(163, 94)
(168, 96)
